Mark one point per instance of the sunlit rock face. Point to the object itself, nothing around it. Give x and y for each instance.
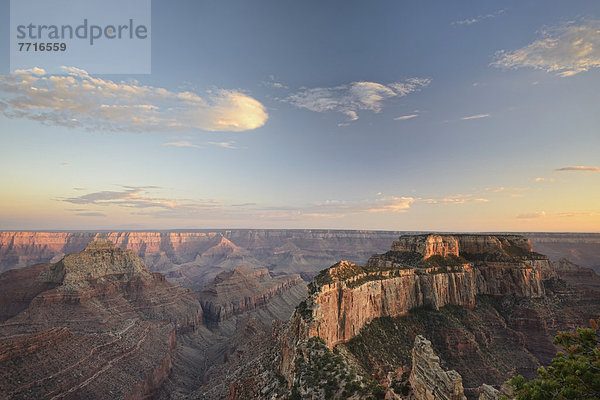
(389, 286)
(427, 245)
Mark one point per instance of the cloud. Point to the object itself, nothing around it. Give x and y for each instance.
(78, 99)
(405, 117)
(476, 116)
(351, 98)
(454, 199)
(273, 83)
(390, 204)
(182, 144)
(479, 18)
(225, 145)
(66, 164)
(579, 168)
(539, 214)
(566, 50)
(539, 179)
(90, 214)
(142, 197)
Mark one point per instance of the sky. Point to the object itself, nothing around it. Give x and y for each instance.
(391, 115)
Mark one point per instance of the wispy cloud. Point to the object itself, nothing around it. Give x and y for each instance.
(479, 18)
(354, 97)
(225, 145)
(454, 199)
(566, 50)
(532, 215)
(78, 99)
(405, 117)
(182, 144)
(580, 168)
(142, 197)
(66, 164)
(273, 83)
(476, 116)
(90, 214)
(390, 204)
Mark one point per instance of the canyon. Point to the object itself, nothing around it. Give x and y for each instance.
(193, 258)
(230, 314)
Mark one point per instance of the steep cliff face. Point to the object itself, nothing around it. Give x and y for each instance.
(428, 380)
(427, 245)
(346, 297)
(419, 271)
(97, 324)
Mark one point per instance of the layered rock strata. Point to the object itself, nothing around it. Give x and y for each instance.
(241, 290)
(98, 324)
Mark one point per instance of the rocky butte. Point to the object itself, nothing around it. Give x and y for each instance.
(419, 270)
(97, 324)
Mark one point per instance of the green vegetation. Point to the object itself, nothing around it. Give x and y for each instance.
(322, 278)
(574, 374)
(321, 373)
(304, 310)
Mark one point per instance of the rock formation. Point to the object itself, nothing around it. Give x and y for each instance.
(241, 290)
(420, 271)
(489, 304)
(97, 324)
(428, 380)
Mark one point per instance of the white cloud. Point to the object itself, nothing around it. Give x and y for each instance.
(566, 50)
(182, 144)
(405, 117)
(580, 168)
(351, 98)
(479, 18)
(78, 99)
(476, 116)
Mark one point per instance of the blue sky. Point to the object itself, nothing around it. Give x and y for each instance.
(460, 116)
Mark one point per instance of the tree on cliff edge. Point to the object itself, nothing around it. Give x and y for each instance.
(574, 374)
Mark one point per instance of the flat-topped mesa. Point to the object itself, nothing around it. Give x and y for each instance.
(99, 259)
(427, 245)
(470, 247)
(420, 270)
